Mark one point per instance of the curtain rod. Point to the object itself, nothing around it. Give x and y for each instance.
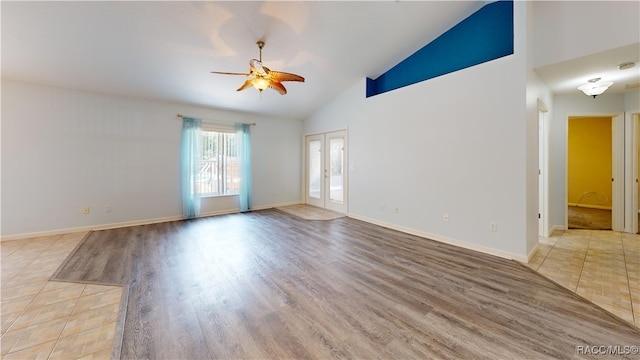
(220, 122)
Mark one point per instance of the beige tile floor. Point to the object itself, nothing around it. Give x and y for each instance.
(44, 319)
(309, 212)
(600, 265)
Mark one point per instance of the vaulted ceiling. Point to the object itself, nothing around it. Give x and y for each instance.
(166, 50)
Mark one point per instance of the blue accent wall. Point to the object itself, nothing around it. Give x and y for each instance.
(485, 35)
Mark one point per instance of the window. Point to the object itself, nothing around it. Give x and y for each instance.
(218, 173)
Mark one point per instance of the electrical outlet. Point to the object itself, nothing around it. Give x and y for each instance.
(396, 209)
(445, 217)
(107, 208)
(493, 227)
(85, 210)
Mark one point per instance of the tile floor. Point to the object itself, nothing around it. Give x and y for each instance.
(44, 319)
(309, 212)
(599, 265)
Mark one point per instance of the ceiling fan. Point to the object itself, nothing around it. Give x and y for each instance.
(260, 77)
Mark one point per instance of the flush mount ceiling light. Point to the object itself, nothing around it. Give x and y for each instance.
(595, 87)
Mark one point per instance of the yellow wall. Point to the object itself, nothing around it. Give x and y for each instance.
(589, 162)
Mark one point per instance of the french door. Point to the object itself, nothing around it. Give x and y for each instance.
(326, 175)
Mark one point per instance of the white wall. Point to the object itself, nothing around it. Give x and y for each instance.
(632, 100)
(537, 90)
(454, 144)
(65, 149)
(564, 29)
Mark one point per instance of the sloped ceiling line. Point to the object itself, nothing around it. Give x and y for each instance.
(485, 35)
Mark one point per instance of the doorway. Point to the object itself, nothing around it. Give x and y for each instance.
(589, 173)
(325, 175)
(616, 175)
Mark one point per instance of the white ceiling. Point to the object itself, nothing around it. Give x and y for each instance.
(166, 50)
(566, 76)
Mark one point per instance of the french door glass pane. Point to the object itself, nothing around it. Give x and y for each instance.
(315, 170)
(336, 169)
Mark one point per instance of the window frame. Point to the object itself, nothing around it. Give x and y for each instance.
(219, 129)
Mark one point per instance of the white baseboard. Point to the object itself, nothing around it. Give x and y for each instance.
(444, 239)
(436, 237)
(218, 212)
(591, 206)
(277, 205)
(532, 253)
(88, 228)
(557, 228)
(128, 223)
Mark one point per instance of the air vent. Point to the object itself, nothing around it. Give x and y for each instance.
(627, 65)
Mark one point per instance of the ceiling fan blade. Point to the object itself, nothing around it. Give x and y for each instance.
(229, 73)
(246, 84)
(277, 86)
(283, 76)
(261, 77)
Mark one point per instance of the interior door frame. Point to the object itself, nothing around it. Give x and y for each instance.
(323, 201)
(632, 187)
(543, 163)
(635, 172)
(617, 186)
(617, 168)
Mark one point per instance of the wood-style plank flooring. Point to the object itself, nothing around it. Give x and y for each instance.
(270, 285)
(588, 218)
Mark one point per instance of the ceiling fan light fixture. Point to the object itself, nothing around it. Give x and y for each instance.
(595, 87)
(260, 83)
(260, 77)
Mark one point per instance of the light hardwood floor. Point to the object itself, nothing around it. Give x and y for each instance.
(271, 285)
(588, 218)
